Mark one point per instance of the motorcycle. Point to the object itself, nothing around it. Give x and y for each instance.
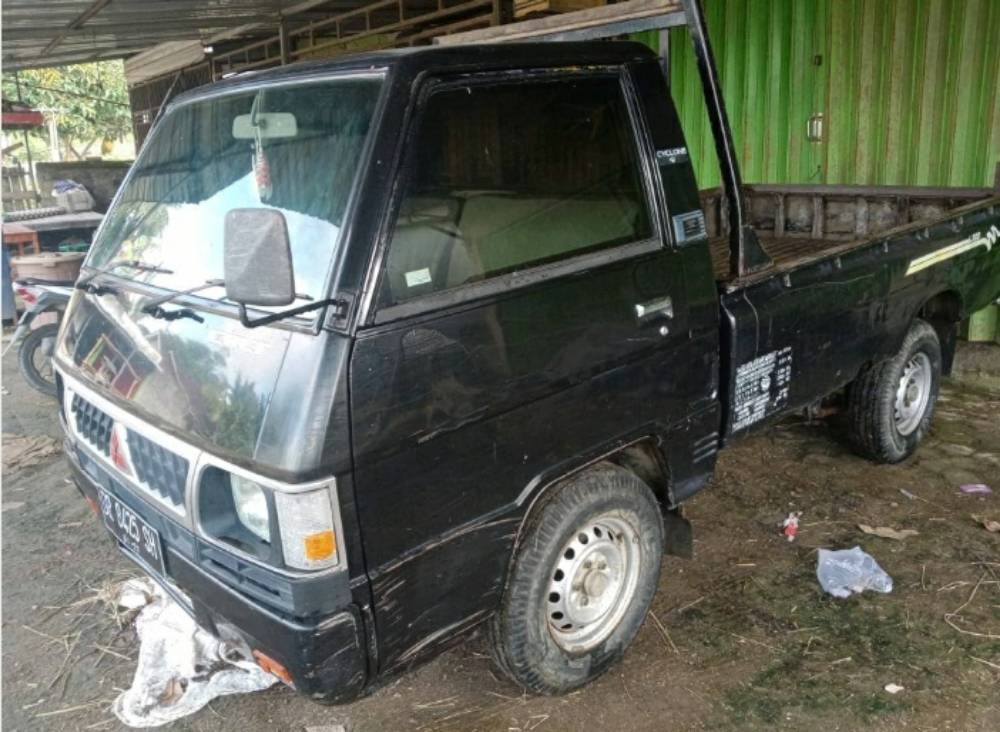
(36, 341)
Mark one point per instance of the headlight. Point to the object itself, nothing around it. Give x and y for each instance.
(296, 526)
(251, 506)
(236, 511)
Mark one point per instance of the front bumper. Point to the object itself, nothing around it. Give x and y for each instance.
(325, 656)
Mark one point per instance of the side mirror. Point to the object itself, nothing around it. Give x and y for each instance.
(258, 258)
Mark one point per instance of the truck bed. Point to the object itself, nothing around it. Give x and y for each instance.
(842, 292)
(786, 252)
(799, 224)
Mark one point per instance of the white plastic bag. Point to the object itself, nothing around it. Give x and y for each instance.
(842, 573)
(181, 667)
(72, 196)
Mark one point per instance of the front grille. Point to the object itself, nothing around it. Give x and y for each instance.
(161, 470)
(92, 424)
(158, 470)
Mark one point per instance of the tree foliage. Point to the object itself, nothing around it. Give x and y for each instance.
(90, 101)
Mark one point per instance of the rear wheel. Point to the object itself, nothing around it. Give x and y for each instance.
(35, 358)
(890, 405)
(581, 583)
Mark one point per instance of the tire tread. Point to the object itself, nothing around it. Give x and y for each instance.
(870, 395)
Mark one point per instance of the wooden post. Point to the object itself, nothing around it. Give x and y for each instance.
(27, 147)
(503, 12)
(819, 213)
(860, 216)
(283, 40)
(779, 217)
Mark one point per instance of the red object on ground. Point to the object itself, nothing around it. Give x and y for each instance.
(790, 526)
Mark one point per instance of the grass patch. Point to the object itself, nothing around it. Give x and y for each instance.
(823, 657)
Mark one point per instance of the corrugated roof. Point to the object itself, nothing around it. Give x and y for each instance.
(57, 32)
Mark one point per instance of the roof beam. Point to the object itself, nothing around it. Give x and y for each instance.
(244, 29)
(154, 24)
(76, 57)
(599, 22)
(95, 7)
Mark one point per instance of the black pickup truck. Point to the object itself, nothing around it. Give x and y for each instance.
(372, 352)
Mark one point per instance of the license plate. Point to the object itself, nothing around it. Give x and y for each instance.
(141, 539)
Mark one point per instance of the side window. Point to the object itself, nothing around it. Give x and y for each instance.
(503, 176)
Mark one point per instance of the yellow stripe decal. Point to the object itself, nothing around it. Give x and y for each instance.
(953, 250)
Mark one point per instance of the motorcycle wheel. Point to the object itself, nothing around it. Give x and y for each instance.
(35, 358)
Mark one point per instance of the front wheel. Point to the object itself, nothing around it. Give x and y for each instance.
(890, 404)
(581, 583)
(35, 358)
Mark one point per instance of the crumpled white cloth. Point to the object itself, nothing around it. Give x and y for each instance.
(181, 667)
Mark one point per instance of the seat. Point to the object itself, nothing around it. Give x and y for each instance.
(428, 252)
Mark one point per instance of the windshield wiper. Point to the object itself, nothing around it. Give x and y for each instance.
(98, 290)
(158, 312)
(86, 286)
(153, 305)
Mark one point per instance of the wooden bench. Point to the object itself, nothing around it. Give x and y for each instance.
(20, 236)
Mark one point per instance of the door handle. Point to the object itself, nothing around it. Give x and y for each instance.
(662, 307)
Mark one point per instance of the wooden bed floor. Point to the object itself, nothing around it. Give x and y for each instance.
(785, 251)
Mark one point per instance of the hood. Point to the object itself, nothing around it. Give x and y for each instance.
(210, 382)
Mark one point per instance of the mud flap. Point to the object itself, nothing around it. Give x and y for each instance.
(678, 535)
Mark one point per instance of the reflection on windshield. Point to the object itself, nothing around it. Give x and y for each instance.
(195, 169)
(187, 238)
(198, 379)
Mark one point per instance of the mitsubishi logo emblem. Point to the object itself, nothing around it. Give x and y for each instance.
(119, 452)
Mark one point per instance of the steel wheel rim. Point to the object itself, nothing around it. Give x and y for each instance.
(913, 394)
(592, 583)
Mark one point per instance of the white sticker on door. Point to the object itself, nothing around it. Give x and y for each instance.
(761, 387)
(418, 277)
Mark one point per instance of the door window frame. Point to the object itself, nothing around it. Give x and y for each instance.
(380, 312)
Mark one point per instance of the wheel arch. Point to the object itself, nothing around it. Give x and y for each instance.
(642, 456)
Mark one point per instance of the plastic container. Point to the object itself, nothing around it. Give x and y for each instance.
(74, 245)
(55, 266)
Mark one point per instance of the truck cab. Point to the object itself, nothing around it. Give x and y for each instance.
(340, 490)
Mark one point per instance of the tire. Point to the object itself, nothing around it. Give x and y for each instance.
(602, 520)
(32, 352)
(891, 403)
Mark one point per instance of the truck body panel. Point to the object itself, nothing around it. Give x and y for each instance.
(829, 306)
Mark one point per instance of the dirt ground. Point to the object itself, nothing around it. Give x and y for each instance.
(740, 637)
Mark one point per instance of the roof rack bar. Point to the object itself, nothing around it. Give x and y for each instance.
(746, 255)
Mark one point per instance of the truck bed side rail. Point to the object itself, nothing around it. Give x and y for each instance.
(835, 212)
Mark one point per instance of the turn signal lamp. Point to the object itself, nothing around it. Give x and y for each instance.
(308, 540)
(319, 546)
(273, 667)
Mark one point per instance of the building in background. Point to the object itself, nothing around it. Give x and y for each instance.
(870, 92)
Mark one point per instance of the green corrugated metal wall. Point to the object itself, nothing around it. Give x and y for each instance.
(909, 90)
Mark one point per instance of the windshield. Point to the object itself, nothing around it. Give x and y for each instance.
(295, 149)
